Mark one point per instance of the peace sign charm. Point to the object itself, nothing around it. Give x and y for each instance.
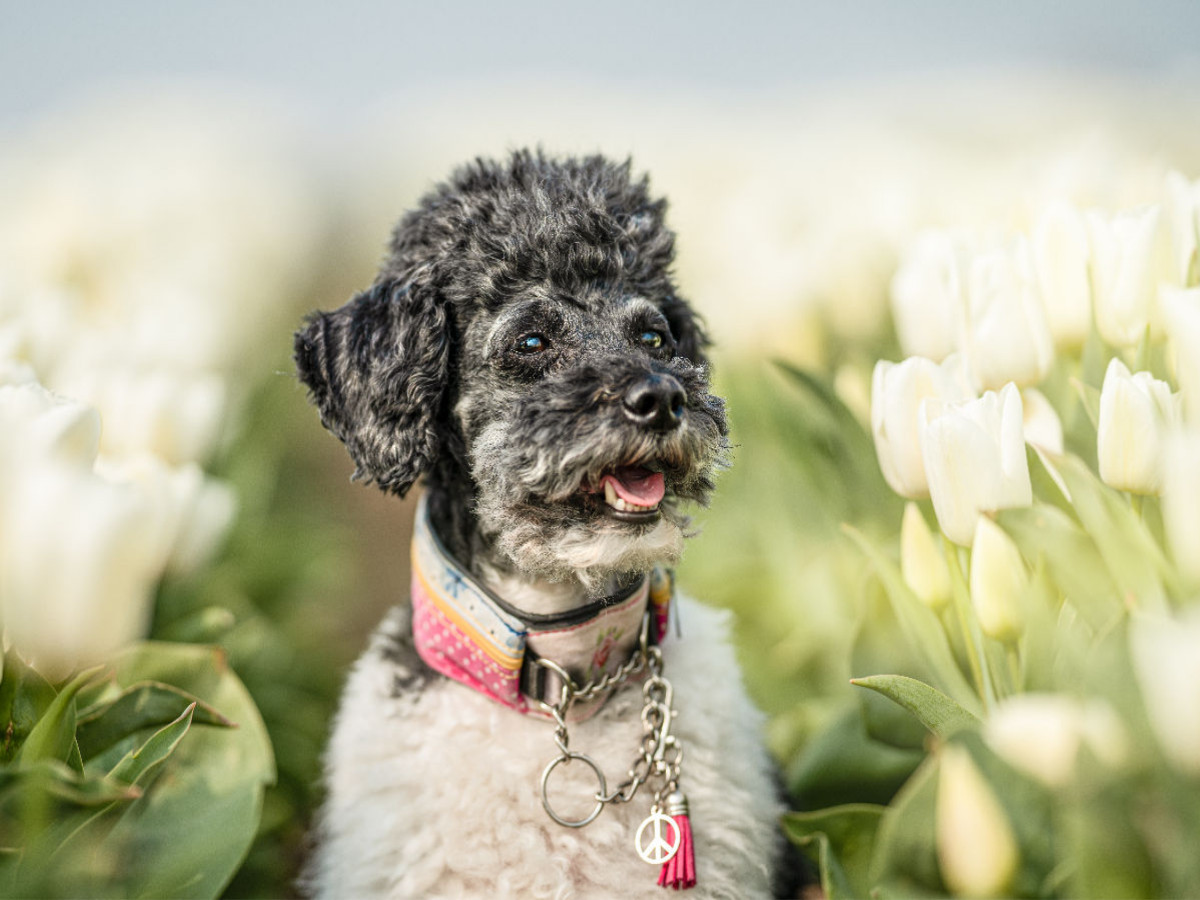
(659, 848)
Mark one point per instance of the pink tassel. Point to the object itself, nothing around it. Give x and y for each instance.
(679, 872)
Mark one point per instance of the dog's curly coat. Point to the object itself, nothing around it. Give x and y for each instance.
(520, 307)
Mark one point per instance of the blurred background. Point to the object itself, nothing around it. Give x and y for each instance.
(181, 184)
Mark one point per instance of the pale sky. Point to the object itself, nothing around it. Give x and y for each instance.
(331, 60)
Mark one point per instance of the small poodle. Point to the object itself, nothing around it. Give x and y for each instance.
(546, 716)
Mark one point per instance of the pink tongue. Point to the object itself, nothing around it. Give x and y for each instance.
(637, 485)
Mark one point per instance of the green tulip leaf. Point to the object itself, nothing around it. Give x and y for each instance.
(1072, 559)
(53, 737)
(202, 796)
(937, 712)
(145, 705)
(137, 763)
(1130, 553)
(904, 862)
(918, 624)
(840, 840)
(843, 765)
(24, 698)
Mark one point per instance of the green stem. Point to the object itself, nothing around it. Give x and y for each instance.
(971, 638)
(1014, 665)
(1135, 503)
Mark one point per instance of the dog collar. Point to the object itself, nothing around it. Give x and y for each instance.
(466, 632)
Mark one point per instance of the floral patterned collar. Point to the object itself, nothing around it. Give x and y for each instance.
(466, 632)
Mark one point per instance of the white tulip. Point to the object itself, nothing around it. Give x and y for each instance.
(999, 582)
(1181, 500)
(1136, 411)
(897, 390)
(1183, 216)
(34, 423)
(1060, 254)
(974, 455)
(1041, 734)
(976, 847)
(921, 561)
(1006, 337)
(78, 567)
(1043, 428)
(1131, 256)
(1167, 666)
(928, 294)
(1181, 313)
(196, 511)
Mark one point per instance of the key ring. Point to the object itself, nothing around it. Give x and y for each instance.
(566, 758)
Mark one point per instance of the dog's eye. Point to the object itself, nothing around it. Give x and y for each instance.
(651, 338)
(532, 343)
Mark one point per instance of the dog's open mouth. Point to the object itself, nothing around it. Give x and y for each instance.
(631, 493)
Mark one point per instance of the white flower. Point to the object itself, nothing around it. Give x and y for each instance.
(1181, 312)
(998, 582)
(1007, 338)
(976, 848)
(1136, 411)
(195, 511)
(37, 424)
(1130, 258)
(928, 294)
(1167, 665)
(1060, 254)
(974, 455)
(1043, 428)
(80, 560)
(173, 414)
(1183, 216)
(1041, 734)
(1181, 500)
(79, 556)
(897, 390)
(921, 561)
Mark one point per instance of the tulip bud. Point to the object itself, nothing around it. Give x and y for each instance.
(1043, 428)
(1007, 338)
(1041, 734)
(1130, 257)
(1181, 500)
(1060, 253)
(976, 847)
(974, 455)
(928, 294)
(921, 561)
(998, 582)
(1181, 313)
(1167, 667)
(897, 390)
(1135, 413)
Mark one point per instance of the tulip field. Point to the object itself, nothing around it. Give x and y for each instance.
(959, 540)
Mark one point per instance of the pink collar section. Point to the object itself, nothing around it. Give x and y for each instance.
(465, 632)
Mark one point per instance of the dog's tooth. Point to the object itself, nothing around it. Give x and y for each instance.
(610, 494)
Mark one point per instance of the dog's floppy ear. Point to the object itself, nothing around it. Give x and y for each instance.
(377, 370)
(691, 340)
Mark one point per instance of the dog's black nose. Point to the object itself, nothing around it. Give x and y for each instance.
(655, 402)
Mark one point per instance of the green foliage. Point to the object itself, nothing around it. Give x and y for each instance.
(142, 779)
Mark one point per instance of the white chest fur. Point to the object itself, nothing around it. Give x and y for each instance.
(433, 792)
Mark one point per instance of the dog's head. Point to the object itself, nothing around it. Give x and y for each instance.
(525, 347)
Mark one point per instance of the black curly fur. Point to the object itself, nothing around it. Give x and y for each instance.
(410, 373)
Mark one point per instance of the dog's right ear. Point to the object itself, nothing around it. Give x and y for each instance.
(377, 370)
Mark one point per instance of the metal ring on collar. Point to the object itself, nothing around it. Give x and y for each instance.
(567, 757)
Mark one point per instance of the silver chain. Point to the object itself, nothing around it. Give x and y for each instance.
(659, 753)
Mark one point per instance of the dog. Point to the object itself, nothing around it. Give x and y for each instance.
(525, 351)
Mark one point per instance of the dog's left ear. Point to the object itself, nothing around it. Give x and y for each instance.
(691, 340)
(377, 370)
